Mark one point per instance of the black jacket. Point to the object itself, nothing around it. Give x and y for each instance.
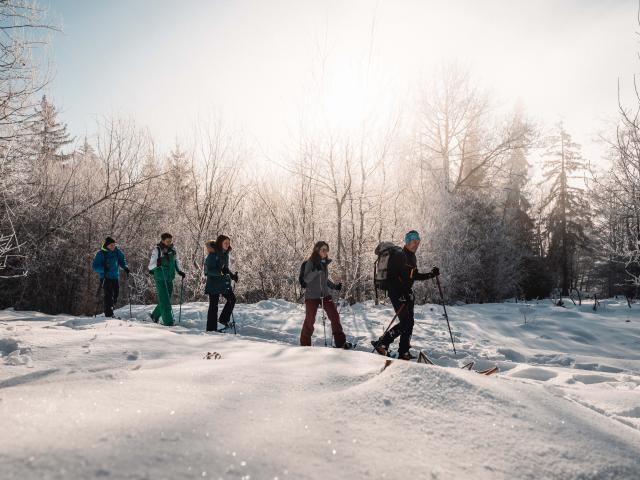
(403, 271)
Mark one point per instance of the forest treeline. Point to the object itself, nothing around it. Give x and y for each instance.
(505, 208)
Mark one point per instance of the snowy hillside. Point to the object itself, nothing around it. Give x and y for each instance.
(96, 398)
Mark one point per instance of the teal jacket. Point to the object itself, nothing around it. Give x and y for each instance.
(216, 269)
(107, 263)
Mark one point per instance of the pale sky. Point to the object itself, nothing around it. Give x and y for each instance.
(262, 65)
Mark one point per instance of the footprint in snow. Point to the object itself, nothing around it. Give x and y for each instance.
(539, 374)
(591, 379)
(132, 355)
(633, 413)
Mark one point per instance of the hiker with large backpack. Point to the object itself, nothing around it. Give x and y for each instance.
(107, 263)
(395, 271)
(216, 269)
(315, 275)
(163, 266)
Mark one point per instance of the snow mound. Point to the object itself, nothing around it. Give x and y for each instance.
(133, 399)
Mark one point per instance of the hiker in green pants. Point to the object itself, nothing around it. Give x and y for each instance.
(164, 265)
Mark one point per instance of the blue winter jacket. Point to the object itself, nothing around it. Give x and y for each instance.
(106, 263)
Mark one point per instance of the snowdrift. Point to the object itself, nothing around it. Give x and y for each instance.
(97, 398)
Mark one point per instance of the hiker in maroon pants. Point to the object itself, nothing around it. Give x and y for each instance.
(317, 295)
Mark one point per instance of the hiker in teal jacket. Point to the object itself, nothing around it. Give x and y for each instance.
(216, 269)
(164, 265)
(107, 263)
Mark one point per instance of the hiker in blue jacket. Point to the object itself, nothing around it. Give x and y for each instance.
(107, 263)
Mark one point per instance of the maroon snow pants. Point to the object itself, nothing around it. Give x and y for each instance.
(311, 307)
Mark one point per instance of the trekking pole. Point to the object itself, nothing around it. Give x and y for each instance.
(324, 327)
(100, 287)
(181, 294)
(391, 322)
(445, 313)
(129, 294)
(233, 318)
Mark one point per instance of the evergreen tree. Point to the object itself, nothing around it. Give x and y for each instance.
(567, 206)
(516, 214)
(50, 136)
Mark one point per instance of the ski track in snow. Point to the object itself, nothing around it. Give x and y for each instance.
(96, 398)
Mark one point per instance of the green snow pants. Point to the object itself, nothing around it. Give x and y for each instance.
(164, 289)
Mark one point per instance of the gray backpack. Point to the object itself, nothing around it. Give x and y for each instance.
(384, 250)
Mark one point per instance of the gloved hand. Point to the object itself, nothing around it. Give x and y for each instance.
(127, 271)
(159, 262)
(181, 273)
(408, 297)
(150, 272)
(338, 286)
(234, 277)
(435, 271)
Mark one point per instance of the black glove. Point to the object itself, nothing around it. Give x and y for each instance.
(338, 286)
(226, 270)
(435, 271)
(181, 273)
(234, 277)
(159, 262)
(126, 270)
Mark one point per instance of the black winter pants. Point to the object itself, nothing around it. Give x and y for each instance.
(225, 316)
(111, 289)
(404, 328)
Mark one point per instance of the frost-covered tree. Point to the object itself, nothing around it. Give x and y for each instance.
(24, 30)
(616, 194)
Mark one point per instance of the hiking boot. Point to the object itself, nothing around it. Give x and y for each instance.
(346, 346)
(155, 320)
(406, 356)
(380, 348)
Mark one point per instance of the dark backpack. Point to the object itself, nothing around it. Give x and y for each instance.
(384, 251)
(303, 284)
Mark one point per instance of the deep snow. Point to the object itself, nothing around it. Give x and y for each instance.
(89, 397)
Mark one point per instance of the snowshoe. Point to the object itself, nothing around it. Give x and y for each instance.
(422, 358)
(406, 356)
(153, 319)
(347, 346)
(468, 366)
(226, 326)
(488, 371)
(380, 348)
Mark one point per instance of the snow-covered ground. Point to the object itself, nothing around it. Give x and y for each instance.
(89, 397)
